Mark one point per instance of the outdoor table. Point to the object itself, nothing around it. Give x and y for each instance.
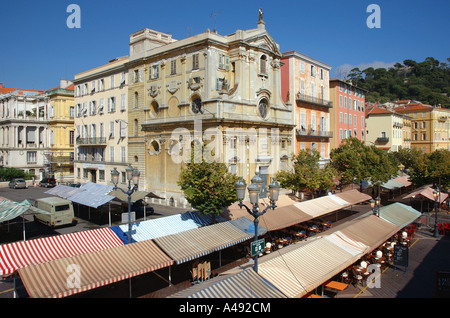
(310, 295)
(300, 234)
(334, 286)
(360, 269)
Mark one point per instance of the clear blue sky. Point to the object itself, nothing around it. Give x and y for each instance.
(38, 49)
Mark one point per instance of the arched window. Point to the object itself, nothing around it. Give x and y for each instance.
(154, 109)
(196, 105)
(263, 108)
(136, 127)
(262, 65)
(136, 100)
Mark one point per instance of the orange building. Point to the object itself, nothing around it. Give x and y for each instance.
(347, 117)
(305, 84)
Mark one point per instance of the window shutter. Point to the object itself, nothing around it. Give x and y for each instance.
(221, 61)
(227, 63)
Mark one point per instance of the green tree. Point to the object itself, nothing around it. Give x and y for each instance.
(427, 81)
(307, 174)
(6, 174)
(408, 157)
(348, 160)
(357, 162)
(439, 167)
(208, 186)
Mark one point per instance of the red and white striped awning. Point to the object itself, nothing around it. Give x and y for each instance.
(26, 253)
(68, 276)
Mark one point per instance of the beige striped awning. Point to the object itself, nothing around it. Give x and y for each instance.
(192, 244)
(245, 284)
(303, 269)
(370, 230)
(69, 276)
(353, 196)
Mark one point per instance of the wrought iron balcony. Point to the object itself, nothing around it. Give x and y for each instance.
(314, 133)
(91, 141)
(313, 100)
(383, 139)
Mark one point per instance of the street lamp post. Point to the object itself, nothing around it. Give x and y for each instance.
(254, 190)
(132, 175)
(375, 205)
(436, 194)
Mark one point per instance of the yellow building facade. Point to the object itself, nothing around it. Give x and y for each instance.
(61, 112)
(430, 126)
(208, 89)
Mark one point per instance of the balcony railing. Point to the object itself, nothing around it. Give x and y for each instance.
(314, 100)
(91, 141)
(314, 133)
(383, 139)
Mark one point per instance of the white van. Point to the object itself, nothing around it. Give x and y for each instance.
(61, 212)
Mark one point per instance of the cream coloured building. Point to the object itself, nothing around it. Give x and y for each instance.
(387, 129)
(223, 91)
(101, 120)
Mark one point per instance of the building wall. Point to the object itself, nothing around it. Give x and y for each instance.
(441, 128)
(225, 75)
(347, 115)
(98, 151)
(24, 130)
(389, 125)
(430, 130)
(62, 133)
(305, 84)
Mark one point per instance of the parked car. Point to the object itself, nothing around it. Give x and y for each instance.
(47, 182)
(17, 183)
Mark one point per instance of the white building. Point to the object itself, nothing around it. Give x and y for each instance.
(24, 130)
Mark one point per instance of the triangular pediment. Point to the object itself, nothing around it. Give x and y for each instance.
(266, 42)
(257, 38)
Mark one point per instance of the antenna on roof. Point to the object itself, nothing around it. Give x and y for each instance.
(215, 18)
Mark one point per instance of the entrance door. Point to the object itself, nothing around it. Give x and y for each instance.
(93, 176)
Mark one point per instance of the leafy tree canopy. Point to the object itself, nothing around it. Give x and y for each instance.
(307, 175)
(208, 186)
(427, 81)
(357, 162)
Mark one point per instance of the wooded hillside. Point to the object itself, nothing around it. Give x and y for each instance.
(427, 81)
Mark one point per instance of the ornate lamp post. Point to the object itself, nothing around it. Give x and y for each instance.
(375, 205)
(254, 190)
(436, 194)
(132, 175)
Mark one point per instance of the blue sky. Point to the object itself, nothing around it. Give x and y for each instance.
(38, 49)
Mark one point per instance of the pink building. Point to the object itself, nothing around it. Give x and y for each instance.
(347, 117)
(305, 85)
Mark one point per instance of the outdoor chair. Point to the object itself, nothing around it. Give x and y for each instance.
(446, 228)
(345, 278)
(268, 248)
(356, 277)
